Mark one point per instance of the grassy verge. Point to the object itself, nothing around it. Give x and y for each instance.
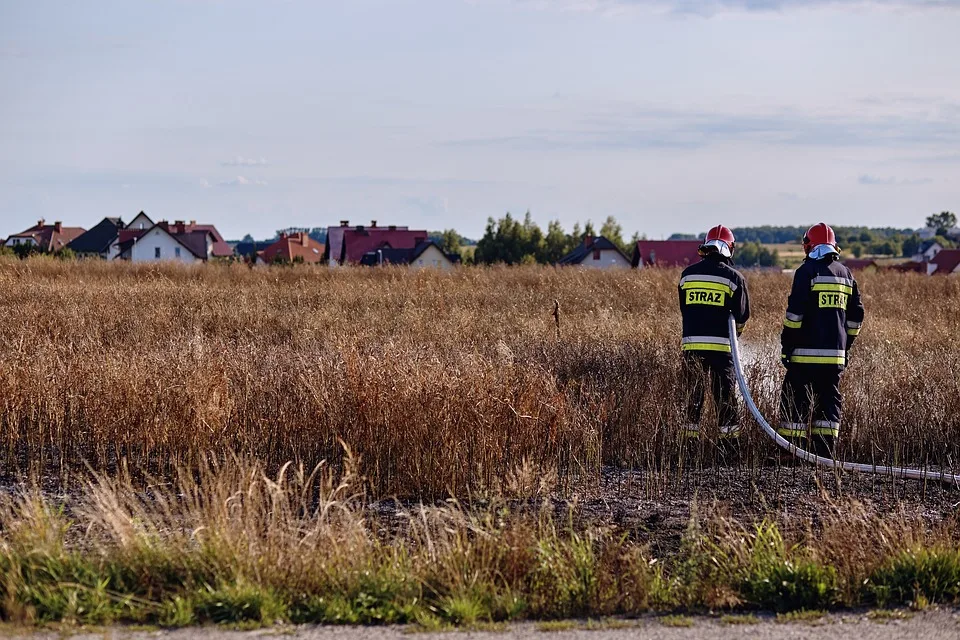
(229, 545)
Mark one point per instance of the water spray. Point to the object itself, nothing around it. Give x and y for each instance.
(806, 456)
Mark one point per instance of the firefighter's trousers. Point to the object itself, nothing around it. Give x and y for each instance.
(717, 366)
(816, 387)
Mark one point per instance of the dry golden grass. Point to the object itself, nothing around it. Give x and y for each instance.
(440, 383)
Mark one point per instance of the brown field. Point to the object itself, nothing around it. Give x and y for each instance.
(439, 384)
(165, 402)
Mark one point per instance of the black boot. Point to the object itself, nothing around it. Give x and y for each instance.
(728, 450)
(824, 446)
(787, 457)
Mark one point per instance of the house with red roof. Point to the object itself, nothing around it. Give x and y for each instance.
(947, 261)
(665, 253)
(48, 238)
(596, 252)
(292, 248)
(169, 243)
(348, 245)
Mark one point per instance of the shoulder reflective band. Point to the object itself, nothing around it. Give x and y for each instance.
(793, 321)
(706, 343)
(715, 283)
(792, 430)
(818, 356)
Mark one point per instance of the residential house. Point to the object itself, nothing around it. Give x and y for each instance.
(48, 238)
(596, 252)
(294, 247)
(99, 242)
(357, 241)
(426, 255)
(665, 253)
(333, 251)
(927, 251)
(127, 236)
(175, 242)
(946, 262)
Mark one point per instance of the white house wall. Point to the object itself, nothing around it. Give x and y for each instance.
(609, 259)
(145, 249)
(432, 257)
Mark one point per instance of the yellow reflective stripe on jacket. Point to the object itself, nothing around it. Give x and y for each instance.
(792, 324)
(853, 332)
(833, 288)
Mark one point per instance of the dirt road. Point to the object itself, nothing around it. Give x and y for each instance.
(936, 624)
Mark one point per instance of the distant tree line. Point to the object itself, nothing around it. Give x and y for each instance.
(509, 240)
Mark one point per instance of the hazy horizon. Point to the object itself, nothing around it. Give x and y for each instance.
(257, 115)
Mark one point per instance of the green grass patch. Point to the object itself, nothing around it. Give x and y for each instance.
(803, 617)
(676, 621)
(918, 578)
(746, 619)
(883, 616)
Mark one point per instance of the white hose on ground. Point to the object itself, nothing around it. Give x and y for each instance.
(916, 474)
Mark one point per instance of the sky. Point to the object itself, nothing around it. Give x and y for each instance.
(671, 115)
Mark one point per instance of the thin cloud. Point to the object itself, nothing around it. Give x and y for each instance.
(872, 181)
(240, 161)
(241, 181)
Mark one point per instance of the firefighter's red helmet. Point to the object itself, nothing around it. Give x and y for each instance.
(817, 235)
(719, 239)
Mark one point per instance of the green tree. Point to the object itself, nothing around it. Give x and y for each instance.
(613, 231)
(509, 241)
(554, 243)
(942, 222)
(449, 240)
(911, 246)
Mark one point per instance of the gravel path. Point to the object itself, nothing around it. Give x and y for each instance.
(935, 624)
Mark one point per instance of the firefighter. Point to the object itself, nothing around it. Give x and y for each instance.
(710, 291)
(824, 316)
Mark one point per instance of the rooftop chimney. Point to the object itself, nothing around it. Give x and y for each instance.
(193, 223)
(373, 224)
(588, 240)
(40, 222)
(304, 238)
(58, 226)
(344, 223)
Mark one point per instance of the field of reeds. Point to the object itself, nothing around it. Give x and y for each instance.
(158, 425)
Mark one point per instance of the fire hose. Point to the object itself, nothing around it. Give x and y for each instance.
(806, 456)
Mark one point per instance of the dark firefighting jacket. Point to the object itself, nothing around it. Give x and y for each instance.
(710, 291)
(824, 314)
